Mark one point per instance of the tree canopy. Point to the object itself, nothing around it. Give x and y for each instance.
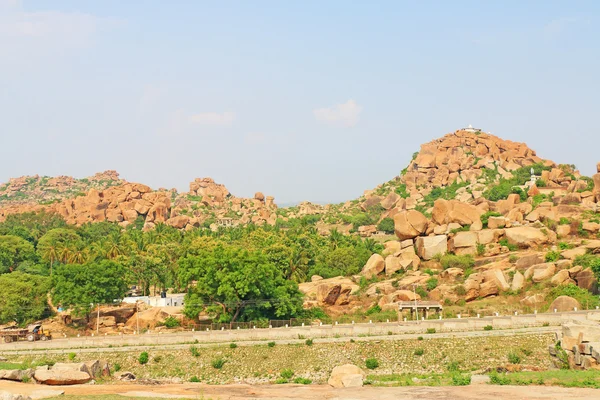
(24, 298)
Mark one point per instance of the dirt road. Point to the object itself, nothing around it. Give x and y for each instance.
(312, 392)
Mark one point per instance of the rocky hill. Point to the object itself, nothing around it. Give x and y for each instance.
(467, 167)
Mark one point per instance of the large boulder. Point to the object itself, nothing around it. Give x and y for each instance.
(488, 288)
(526, 236)
(465, 239)
(16, 375)
(517, 282)
(430, 246)
(374, 266)
(543, 272)
(497, 276)
(453, 211)
(586, 279)
(333, 293)
(409, 224)
(61, 377)
(11, 396)
(346, 375)
(393, 265)
(564, 303)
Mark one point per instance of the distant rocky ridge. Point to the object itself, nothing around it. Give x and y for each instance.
(468, 161)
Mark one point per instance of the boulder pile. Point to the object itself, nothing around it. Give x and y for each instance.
(579, 347)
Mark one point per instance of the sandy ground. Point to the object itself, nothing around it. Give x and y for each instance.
(311, 392)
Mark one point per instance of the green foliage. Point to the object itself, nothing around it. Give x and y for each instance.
(421, 292)
(402, 192)
(505, 187)
(488, 328)
(23, 298)
(218, 363)
(117, 367)
(447, 193)
(309, 342)
(541, 183)
(14, 250)
(371, 363)
(564, 221)
(171, 322)
(194, 351)
(233, 346)
(461, 380)
(460, 290)
(514, 358)
(286, 373)
(386, 225)
(565, 246)
(143, 358)
(194, 379)
(95, 283)
(480, 249)
(552, 256)
(72, 356)
(432, 283)
(485, 218)
(585, 298)
(271, 344)
(302, 381)
(430, 330)
(504, 242)
(454, 261)
(419, 352)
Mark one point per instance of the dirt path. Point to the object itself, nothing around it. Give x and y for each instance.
(311, 392)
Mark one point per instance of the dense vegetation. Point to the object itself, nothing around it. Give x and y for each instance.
(234, 274)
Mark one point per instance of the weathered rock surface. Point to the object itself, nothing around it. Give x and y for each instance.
(409, 224)
(346, 375)
(374, 266)
(430, 246)
(564, 303)
(61, 377)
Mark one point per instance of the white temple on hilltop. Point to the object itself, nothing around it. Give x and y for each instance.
(471, 129)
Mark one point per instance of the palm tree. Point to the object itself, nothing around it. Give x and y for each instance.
(50, 253)
(335, 238)
(298, 266)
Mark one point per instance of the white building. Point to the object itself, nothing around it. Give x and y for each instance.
(471, 129)
(170, 300)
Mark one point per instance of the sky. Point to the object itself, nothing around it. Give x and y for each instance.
(301, 100)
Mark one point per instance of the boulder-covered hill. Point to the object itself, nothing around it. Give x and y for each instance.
(468, 166)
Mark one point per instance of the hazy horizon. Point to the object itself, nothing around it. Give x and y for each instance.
(302, 101)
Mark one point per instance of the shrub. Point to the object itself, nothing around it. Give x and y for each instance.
(454, 261)
(541, 183)
(430, 330)
(565, 246)
(302, 381)
(460, 290)
(461, 303)
(280, 381)
(421, 292)
(143, 358)
(233, 346)
(286, 373)
(373, 310)
(514, 358)
(386, 225)
(309, 342)
(218, 363)
(171, 322)
(453, 366)
(271, 344)
(419, 352)
(504, 242)
(552, 256)
(480, 249)
(420, 338)
(371, 363)
(499, 379)
(194, 350)
(584, 297)
(194, 379)
(432, 283)
(117, 367)
(488, 328)
(72, 356)
(564, 221)
(460, 379)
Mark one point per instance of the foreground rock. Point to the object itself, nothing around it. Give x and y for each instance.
(565, 303)
(61, 377)
(346, 376)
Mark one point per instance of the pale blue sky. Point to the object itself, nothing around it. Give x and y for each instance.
(305, 100)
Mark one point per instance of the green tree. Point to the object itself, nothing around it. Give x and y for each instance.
(386, 225)
(233, 283)
(13, 251)
(24, 298)
(80, 286)
(57, 244)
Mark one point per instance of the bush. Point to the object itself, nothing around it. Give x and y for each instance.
(432, 283)
(419, 352)
(271, 344)
(72, 356)
(280, 381)
(488, 328)
(564, 221)
(143, 358)
(430, 330)
(194, 350)
(504, 243)
(514, 358)
(217, 363)
(480, 249)
(171, 322)
(386, 225)
(499, 379)
(371, 363)
(302, 381)
(421, 292)
(460, 290)
(286, 373)
(309, 342)
(552, 256)
(420, 338)
(194, 379)
(454, 261)
(117, 367)
(585, 298)
(453, 366)
(233, 346)
(461, 380)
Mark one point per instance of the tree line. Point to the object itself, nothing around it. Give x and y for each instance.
(234, 274)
